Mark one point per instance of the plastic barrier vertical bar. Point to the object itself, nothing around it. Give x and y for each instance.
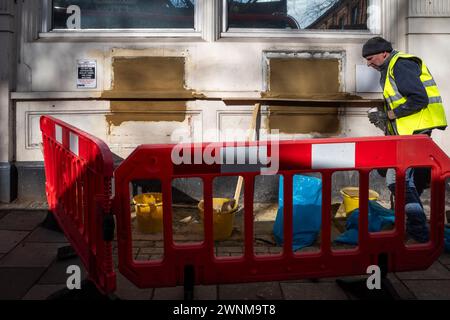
(437, 204)
(248, 217)
(400, 204)
(167, 216)
(208, 215)
(326, 213)
(363, 209)
(287, 214)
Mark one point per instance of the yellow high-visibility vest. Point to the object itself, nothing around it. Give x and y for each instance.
(431, 117)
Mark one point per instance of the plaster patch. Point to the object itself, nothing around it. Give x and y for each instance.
(304, 77)
(148, 74)
(307, 78)
(306, 120)
(154, 111)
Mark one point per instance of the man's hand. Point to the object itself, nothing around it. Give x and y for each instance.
(378, 118)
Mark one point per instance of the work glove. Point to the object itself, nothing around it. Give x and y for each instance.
(378, 118)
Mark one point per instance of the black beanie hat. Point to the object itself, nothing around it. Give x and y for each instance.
(376, 45)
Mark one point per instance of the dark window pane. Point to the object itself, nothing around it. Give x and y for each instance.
(122, 14)
(355, 15)
(298, 14)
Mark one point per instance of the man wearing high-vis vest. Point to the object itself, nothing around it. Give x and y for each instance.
(413, 105)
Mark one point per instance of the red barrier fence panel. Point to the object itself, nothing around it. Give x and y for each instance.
(325, 156)
(79, 169)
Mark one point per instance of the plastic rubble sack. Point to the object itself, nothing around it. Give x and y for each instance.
(379, 217)
(307, 211)
(447, 238)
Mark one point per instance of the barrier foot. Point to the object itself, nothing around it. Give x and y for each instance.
(88, 291)
(50, 223)
(358, 289)
(189, 280)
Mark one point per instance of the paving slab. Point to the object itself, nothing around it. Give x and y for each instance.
(23, 220)
(398, 285)
(169, 293)
(27, 205)
(42, 291)
(312, 291)
(116, 261)
(41, 234)
(435, 272)
(57, 272)
(202, 292)
(250, 291)
(3, 213)
(402, 290)
(126, 290)
(9, 239)
(205, 292)
(31, 255)
(445, 258)
(430, 289)
(332, 279)
(15, 282)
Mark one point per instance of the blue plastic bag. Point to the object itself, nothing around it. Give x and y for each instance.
(379, 217)
(307, 211)
(447, 238)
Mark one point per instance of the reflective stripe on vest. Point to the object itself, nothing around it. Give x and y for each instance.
(433, 116)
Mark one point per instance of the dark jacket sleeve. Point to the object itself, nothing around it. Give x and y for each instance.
(407, 77)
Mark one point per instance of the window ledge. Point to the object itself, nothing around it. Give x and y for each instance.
(337, 35)
(95, 94)
(120, 35)
(46, 95)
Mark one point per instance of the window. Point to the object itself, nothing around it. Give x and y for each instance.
(123, 14)
(355, 15)
(294, 14)
(341, 23)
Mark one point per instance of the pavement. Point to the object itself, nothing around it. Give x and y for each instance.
(30, 270)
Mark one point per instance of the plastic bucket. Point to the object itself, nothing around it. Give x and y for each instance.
(222, 220)
(149, 212)
(351, 198)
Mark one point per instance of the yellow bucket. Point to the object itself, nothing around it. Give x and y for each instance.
(351, 198)
(222, 221)
(149, 212)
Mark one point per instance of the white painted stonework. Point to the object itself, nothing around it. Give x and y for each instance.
(217, 64)
(429, 38)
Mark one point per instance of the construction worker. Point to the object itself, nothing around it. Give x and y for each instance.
(413, 105)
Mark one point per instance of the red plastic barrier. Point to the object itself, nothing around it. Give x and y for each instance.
(153, 162)
(78, 169)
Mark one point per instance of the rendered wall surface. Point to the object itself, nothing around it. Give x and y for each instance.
(214, 67)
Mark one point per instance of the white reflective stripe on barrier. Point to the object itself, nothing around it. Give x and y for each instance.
(58, 133)
(333, 155)
(73, 143)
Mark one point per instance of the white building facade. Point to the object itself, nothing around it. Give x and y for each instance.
(63, 59)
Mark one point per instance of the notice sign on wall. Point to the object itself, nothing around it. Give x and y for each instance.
(86, 74)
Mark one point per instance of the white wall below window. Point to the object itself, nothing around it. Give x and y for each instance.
(429, 38)
(231, 66)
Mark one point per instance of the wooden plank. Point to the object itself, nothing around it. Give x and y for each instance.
(306, 102)
(150, 95)
(250, 137)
